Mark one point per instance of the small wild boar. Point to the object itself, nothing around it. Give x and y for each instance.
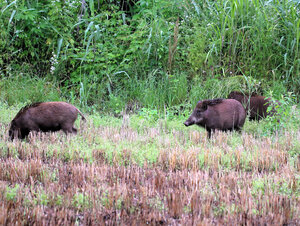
(218, 114)
(44, 116)
(257, 105)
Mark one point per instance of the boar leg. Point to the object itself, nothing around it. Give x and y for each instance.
(74, 130)
(24, 133)
(208, 133)
(238, 129)
(67, 129)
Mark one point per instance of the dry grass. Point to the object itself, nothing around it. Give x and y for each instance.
(149, 175)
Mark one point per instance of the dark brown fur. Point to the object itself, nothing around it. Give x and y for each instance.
(44, 116)
(256, 105)
(218, 114)
(23, 109)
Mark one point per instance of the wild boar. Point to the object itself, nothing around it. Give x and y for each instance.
(218, 114)
(45, 117)
(256, 106)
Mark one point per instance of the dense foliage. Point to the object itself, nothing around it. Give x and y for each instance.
(156, 53)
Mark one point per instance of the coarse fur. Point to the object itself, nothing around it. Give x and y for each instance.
(45, 117)
(256, 105)
(218, 114)
(212, 102)
(23, 109)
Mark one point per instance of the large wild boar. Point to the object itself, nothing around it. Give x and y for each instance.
(44, 116)
(255, 104)
(218, 114)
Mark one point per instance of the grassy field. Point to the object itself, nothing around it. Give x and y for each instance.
(142, 170)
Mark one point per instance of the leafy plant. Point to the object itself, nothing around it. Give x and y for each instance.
(43, 198)
(151, 115)
(258, 186)
(284, 117)
(11, 192)
(81, 201)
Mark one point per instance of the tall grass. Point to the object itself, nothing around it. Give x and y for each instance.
(167, 53)
(255, 38)
(214, 41)
(26, 89)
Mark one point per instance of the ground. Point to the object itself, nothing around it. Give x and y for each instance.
(134, 170)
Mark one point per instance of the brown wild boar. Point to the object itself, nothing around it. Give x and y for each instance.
(255, 104)
(44, 116)
(218, 114)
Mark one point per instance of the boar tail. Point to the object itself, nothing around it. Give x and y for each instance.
(82, 116)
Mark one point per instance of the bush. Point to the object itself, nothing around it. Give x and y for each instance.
(286, 118)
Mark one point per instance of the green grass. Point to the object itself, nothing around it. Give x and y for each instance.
(26, 89)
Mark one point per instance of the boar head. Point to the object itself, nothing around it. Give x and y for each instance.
(14, 132)
(198, 115)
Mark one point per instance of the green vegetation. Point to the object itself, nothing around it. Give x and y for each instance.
(152, 54)
(137, 68)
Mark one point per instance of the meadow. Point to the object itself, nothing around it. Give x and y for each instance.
(145, 170)
(136, 68)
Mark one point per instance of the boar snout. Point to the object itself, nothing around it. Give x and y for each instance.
(188, 122)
